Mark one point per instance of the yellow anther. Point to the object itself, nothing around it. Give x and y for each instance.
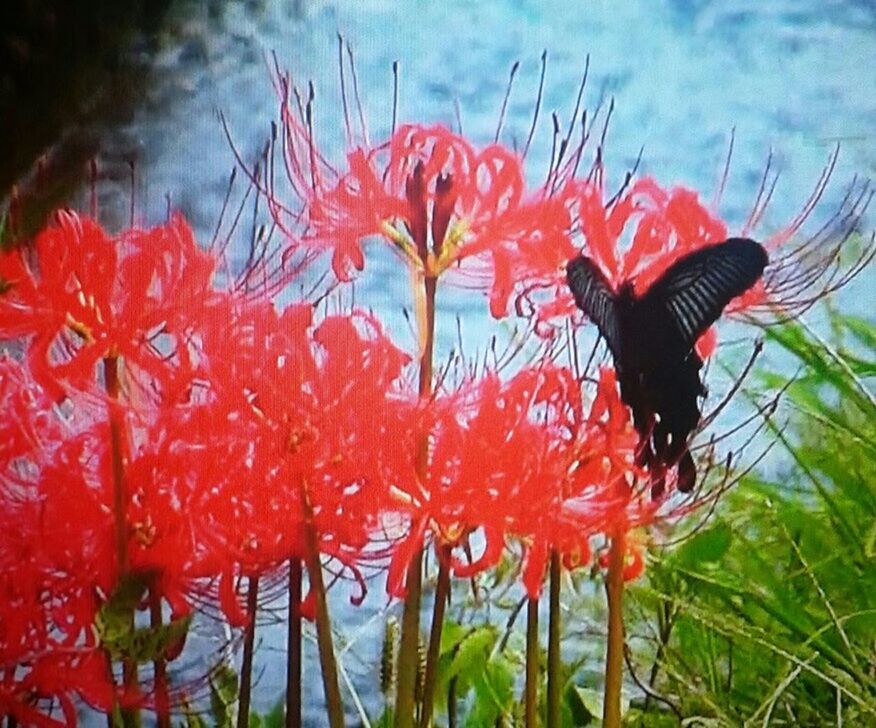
(402, 241)
(452, 242)
(79, 328)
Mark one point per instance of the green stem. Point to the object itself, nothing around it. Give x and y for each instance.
(531, 689)
(408, 657)
(252, 603)
(442, 591)
(130, 678)
(553, 668)
(327, 661)
(611, 715)
(293, 646)
(162, 699)
(113, 389)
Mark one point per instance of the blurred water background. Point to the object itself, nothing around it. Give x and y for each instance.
(143, 83)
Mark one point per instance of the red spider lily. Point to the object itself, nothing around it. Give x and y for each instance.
(505, 459)
(79, 296)
(257, 405)
(426, 190)
(183, 482)
(617, 497)
(639, 232)
(635, 235)
(287, 396)
(56, 554)
(247, 413)
(613, 470)
(668, 225)
(597, 471)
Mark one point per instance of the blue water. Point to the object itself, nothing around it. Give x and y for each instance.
(794, 76)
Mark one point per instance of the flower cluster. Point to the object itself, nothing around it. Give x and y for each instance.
(164, 430)
(159, 428)
(448, 206)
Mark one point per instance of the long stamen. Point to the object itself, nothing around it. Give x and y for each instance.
(513, 73)
(347, 127)
(537, 104)
(356, 95)
(394, 95)
(725, 174)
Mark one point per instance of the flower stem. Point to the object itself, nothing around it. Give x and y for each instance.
(409, 646)
(611, 715)
(293, 645)
(531, 689)
(327, 661)
(162, 700)
(408, 656)
(113, 389)
(252, 602)
(430, 286)
(553, 668)
(130, 717)
(442, 591)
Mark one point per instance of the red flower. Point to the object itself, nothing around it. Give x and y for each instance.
(635, 236)
(281, 410)
(428, 192)
(668, 225)
(56, 552)
(79, 296)
(505, 460)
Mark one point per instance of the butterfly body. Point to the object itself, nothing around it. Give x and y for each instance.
(652, 338)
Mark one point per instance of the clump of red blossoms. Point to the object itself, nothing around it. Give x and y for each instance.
(55, 552)
(163, 428)
(78, 295)
(187, 441)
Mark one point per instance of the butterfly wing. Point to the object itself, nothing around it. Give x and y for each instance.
(595, 297)
(695, 289)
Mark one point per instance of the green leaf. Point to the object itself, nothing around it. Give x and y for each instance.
(452, 633)
(471, 658)
(583, 705)
(870, 542)
(114, 622)
(493, 694)
(864, 331)
(115, 629)
(223, 695)
(638, 718)
(706, 546)
(192, 719)
(276, 717)
(386, 719)
(148, 644)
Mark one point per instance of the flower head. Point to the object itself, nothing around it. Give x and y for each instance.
(427, 191)
(56, 553)
(79, 295)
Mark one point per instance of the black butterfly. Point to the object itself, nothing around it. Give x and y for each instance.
(651, 338)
